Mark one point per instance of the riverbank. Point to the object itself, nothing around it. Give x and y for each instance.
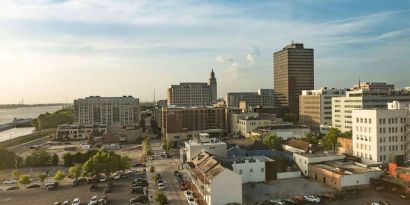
(27, 138)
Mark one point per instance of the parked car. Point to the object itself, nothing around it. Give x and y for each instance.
(191, 201)
(161, 186)
(139, 199)
(11, 181)
(50, 186)
(312, 199)
(183, 186)
(93, 200)
(137, 190)
(76, 201)
(30, 186)
(57, 203)
(188, 194)
(66, 203)
(103, 179)
(12, 188)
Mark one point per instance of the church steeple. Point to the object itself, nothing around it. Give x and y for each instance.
(213, 84)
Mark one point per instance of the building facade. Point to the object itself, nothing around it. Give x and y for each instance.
(179, 124)
(293, 72)
(107, 110)
(381, 135)
(193, 94)
(80, 132)
(262, 98)
(363, 96)
(204, 143)
(315, 108)
(254, 168)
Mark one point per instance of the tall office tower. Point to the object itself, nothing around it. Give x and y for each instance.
(315, 108)
(212, 83)
(293, 72)
(368, 95)
(107, 110)
(193, 94)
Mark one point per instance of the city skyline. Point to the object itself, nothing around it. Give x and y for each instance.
(59, 50)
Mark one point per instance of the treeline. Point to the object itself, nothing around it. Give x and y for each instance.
(38, 158)
(9, 159)
(77, 158)
(52, 120)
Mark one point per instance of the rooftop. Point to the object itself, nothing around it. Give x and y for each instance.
(344, 167)
(247, 144)
(206, 166)
(259, 158)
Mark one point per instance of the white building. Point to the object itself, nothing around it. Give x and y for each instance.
(363, 96)
(248, 124)
(235, 117)
(284, 131)
(304, 159)
(252, 168)
(80, 132)
(379, 135)
(114, 111)
(315, 107)
(204, 143)
(215, 180)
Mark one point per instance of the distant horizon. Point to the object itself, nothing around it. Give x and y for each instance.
(60, 50)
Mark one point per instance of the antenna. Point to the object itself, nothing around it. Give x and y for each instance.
(359, 83)
(154, 97)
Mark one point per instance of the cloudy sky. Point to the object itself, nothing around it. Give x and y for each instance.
(58, 50)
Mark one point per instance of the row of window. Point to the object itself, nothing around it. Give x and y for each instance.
(364, 120)
(393, 139)
(251, 170)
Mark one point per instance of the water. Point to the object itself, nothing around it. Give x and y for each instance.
(7, 115)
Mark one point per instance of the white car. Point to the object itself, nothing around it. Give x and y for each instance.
(93, 200)
(191, 201)
(312, 199)
(161, 186)
(11, 181)
(76, 201)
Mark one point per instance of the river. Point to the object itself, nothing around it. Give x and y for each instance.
(7, 115)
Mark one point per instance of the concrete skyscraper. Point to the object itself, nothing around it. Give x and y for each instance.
(212, 83)
(293, 72)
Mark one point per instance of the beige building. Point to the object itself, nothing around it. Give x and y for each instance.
(248, 124)
(193, 94)
(80, 132)
(315, 108)
(364, 96)
(107, 110)
(293, 72)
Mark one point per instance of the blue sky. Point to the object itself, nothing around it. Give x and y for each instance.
(58, 50)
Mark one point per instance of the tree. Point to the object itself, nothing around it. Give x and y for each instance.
(272, 141)
(52, 120)
(42, 177)
(329, 141)
(38, 158)
(15, 174)
(125, 163)
(103, 161)
(24, 180)
(68, 159)
(142, 124)
(9, 159)
(160, 197)
(54, 159)
(311, 138)
(348, 134)
(59, 175)
(75, 171)
(146, 145)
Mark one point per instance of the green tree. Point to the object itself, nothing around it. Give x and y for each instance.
(348, 134)
(9, 159)
(39, 158)
(75, 171)
(59, 175)
(24, 180)
(42, 177)
(146, 145)
(160, 197)
(15, 174)
(125, 163)
(312, 139)
(68, 159)
(54, 159)
(272, 141)
(329, 141)
(52, 120)
(103, 161)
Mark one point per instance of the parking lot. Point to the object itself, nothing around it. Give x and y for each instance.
(120, 194)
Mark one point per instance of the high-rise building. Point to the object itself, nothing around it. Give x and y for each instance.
(193, 94)
(107, 110)
(315, 107)
(366, 95)
(293, 72)
(382, 135)
(263, 98)
(179, 124)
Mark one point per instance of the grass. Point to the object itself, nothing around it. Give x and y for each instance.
(27, 138)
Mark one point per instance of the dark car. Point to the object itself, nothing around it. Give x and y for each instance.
(137, 190)
(33, 186)
(139, 165)
(139, 199)
(12, 188)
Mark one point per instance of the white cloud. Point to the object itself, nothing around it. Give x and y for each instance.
(222, 59)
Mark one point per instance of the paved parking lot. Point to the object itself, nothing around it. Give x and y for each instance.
(120, 194)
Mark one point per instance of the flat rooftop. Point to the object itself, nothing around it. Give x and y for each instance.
(345, 167)
(259, 158)
(210, 142)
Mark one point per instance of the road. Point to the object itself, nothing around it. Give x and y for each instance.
(166, 167)
(18, 149)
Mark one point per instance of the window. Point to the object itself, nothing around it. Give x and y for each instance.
(240, 171)
(262, 169)
(251, 170)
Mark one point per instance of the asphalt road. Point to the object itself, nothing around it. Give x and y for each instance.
(18, 149)
(166, 167)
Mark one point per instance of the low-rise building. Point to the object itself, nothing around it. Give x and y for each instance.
(215, 180)
(80, 132)
(203, 143)
(295, 146)
(284, 131)
(247, 125)
(131, 133)
(254, 168)
(304, 159)
(241, 147)
(345, 145)
(235, 117)
(342, 174)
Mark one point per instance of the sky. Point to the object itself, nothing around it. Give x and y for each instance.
(58, 50)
